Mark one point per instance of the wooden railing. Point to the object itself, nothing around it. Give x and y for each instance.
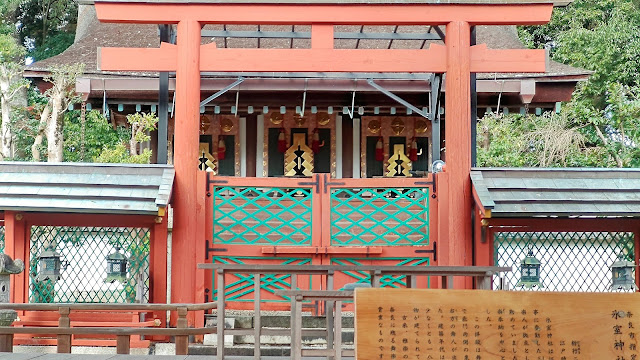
(64, 331)
(482, 274)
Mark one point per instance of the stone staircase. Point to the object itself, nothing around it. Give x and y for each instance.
(242, 345)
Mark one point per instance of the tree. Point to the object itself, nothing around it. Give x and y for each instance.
(140, 123)
(85, 145)
(59, 97)
(41, 23)
(8, 16)
(601, 36)
(529, 141)
(11, 82)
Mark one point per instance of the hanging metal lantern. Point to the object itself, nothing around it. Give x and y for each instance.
(50, 264)
(622, 276)
(116, 267)
(530, 272)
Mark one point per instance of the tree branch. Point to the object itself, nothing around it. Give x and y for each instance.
(606, 144)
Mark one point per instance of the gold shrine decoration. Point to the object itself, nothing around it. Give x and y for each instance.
(206, 161)
(399, 163)
(397, 125)
(226, 125)
(298, 159)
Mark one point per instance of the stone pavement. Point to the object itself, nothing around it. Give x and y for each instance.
(25, 356)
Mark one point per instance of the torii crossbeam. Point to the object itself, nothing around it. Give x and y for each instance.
(457, 58)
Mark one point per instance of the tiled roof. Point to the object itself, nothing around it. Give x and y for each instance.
(558, 192)
(94, 34)
(85, 188)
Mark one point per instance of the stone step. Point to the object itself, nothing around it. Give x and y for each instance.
(347, 338)
(276, 320)
(197, 349)
(280, 321)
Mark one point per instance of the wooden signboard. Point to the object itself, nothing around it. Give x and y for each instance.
(395, 324)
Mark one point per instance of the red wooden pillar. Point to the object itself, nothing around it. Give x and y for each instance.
(458, 144)
(442, 186)
(483, 247)
(203, 234)
(186, 212)
(16, 245)
(158, 264)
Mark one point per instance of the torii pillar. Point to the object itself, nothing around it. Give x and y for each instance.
(188, 58)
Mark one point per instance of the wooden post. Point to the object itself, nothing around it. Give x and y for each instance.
(375, 278)
(64, 340)
(182, 341)
(187, 117)
(17, 246)
(6, 343)
(158, 266)
(123, 344)
(458, 153)
(220, 318)
(296, 330)
(257, 324)
(337, 346)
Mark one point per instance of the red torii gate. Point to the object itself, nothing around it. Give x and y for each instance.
(188, 58)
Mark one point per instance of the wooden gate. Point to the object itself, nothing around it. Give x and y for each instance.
(317, 221)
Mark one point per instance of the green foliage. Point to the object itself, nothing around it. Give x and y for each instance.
(98, 133)
(25, 124)
(598, 35)
(42, 19)
(602, 36)
(120, 154)
(141, 123)
(518, 140)
(501, 141)
(8, 16)
(10, 50)
(53, 45)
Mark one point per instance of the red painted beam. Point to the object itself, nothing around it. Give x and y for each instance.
(338, 14)
(279, 60)
(320, 59)
(163, 58)
(510, 60)
(323, 60)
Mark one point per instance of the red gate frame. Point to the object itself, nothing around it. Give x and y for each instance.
(458, 59)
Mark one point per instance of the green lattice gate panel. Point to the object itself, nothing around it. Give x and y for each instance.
(240, 287)
(390, 281)
(262, 216)
(379, 216)
(571, 261)
(83, 252)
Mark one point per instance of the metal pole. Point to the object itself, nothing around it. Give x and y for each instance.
(474, 108)
(163, 104)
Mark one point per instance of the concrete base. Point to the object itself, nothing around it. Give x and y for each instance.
(36, 349)
(212, 339)
(165, 349)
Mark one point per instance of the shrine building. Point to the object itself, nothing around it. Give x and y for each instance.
(334, 132)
